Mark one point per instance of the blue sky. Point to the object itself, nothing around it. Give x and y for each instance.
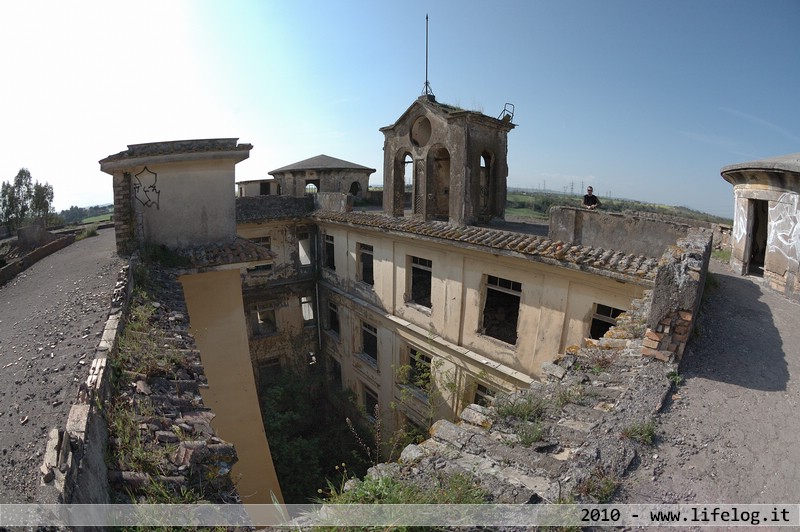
(642, 99)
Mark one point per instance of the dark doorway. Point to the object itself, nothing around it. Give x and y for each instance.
(758, 236)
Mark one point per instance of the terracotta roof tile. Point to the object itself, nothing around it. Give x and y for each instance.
(239, 251)
(616, 264)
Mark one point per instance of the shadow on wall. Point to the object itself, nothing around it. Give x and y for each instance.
(739, 343)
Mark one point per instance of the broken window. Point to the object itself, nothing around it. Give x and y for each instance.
(263, 320)
(304, 248)
(307, 307)
(365, 271)
(603, 319)
(330, 259)
(501, 310)
(264, 241)
(421, 271)
(261, 268)
(484, 395)
(369, 342)
(419, 373)
(336, 372)
(333, 317)
(371, 404)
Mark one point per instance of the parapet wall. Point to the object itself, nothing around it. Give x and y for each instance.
(621, 232)
(677, 293)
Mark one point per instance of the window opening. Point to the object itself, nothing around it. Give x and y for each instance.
(501, 310)
(330, 258)
(264, 189)
(371, 404)
(419, 374)
(603, 319)
(264, 241)
(333, 317)
(355, 188)
(304, 248)
(307, 307)
(336, 370)
(311, 188)
(263, 320)
(484, 395)
(365, 273)
(369, 341)
(260, 268)
(421, 273)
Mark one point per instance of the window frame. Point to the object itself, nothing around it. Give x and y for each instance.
(368, 328)
(424, 268)
(333, 311)
(363, 251)
(501, 285)
(307, 303)
(329, 251)
(256, 321)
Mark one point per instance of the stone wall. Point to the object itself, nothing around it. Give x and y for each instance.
(677, 294)
(614, 230)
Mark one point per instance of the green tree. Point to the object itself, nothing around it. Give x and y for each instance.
(42, 200)
(23, 197)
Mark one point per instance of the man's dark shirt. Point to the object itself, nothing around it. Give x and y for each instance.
(589, 200)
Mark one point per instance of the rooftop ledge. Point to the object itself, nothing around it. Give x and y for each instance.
(176, 151)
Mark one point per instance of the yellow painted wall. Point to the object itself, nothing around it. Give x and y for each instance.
(216, 314)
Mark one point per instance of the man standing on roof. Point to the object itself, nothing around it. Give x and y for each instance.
(590, 201)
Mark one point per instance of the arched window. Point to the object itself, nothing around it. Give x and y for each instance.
(311, 188)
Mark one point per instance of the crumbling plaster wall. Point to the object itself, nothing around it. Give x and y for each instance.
(677, 294)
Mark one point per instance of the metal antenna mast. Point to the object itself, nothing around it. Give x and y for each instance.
(426, 89)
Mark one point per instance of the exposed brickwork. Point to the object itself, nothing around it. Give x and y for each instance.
(123, 213)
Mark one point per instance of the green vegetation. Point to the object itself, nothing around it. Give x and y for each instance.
(98, 219)
(525, 414)
(536, 204)
(643, 433)
(448, 489)
(675, 377)
(87, 232)
(161, 254)
(599, 486)
(722, 255)
(309, 434)
(23, 199)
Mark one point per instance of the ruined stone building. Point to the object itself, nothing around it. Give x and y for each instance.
(419, 287)
(419, 309)
(766, 224)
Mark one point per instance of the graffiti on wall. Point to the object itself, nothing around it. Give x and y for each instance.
(145, 188)
(739, 220)
(784, 228)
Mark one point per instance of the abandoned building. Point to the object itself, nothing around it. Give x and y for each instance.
(419, 309)
(766, 224)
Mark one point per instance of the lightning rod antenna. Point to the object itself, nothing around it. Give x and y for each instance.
(426, 89)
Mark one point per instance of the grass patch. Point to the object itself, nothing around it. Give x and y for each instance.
(87, 232)
(644, 433)
(447, 489)
(98, 219)
(575, 395)
(722, 255)
(675, 378)
(527, 408)
(599, 486)
(529, 433)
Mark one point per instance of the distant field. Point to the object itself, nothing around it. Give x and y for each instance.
(97, 219)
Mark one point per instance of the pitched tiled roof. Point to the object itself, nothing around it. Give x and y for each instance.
(321, 162)
(177, 146)
(607, 262)
(252, 208)
(239, 251)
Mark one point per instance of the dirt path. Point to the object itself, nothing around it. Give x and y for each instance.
(51, 317)
(731, 432)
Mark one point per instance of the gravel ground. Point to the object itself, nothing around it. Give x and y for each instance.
(51, 318)
(730, 432)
